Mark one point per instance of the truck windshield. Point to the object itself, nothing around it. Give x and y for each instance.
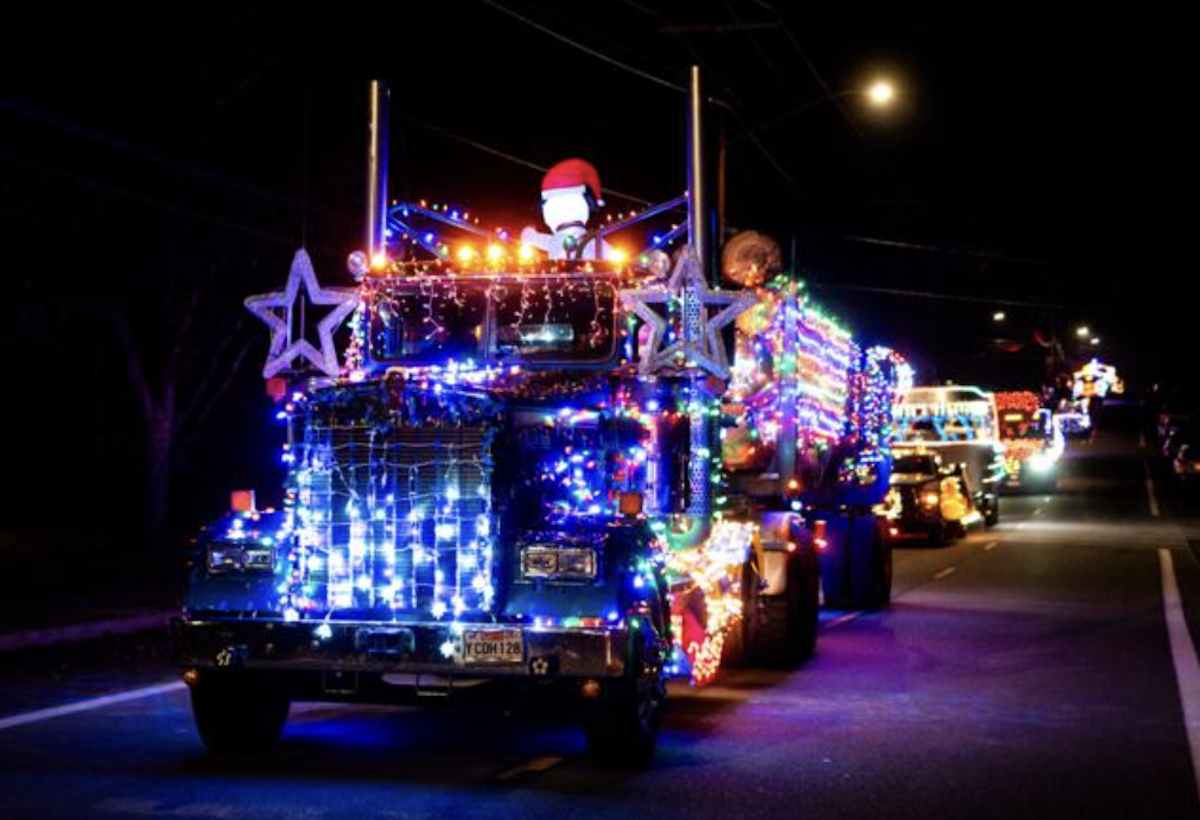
(1015, 425)
(942, 427)
(915, 465)
(502, 319)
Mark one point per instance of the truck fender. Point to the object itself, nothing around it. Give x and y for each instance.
(773, 571)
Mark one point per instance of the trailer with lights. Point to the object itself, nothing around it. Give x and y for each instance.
(585, 473)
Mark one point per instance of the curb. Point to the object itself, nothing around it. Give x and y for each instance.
(82, 632)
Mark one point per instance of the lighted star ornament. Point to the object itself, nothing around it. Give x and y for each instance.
(704, 312)
(279, 311)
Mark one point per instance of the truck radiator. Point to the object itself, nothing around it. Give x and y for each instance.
(398, 517)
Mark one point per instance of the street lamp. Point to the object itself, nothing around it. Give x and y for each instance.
(1095, 340)
(881, 93)
(999, 316)
(1083, 331)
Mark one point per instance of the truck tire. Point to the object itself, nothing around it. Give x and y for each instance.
(991, 516)
(856, 570)
(733, 650)
(622, 723)
(781, 630)
(880, 594)
(237, 712)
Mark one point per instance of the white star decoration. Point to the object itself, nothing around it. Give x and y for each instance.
(699, 341)
(284, 348)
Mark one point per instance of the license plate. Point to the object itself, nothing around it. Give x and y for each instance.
(493, 646)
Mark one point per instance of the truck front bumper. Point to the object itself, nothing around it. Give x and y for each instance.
(417, 649)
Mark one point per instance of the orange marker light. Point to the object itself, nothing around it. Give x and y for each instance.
(241, 501)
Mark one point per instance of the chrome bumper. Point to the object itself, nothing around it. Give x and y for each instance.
(392, 648)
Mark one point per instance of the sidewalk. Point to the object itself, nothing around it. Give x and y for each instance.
(58, 591)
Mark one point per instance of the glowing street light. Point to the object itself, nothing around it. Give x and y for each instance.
(881, 93)
(1095, 340)
(999, 316)
(1083, 331)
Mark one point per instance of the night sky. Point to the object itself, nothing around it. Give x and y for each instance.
(165, 161)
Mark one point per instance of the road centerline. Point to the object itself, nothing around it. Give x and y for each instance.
(535, 766)
(1151, 495)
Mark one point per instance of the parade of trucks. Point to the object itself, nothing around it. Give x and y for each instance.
(547, 463)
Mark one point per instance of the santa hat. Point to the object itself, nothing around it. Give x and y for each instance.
(572, 176)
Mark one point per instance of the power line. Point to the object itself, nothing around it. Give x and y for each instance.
(147, 154)
(599, 55)
(820, 78)
(169, 207)
(990, 256)
(941, 296)
(516, 160)
(748, 133)
(670, 28)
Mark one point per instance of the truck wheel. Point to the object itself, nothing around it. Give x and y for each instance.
(992, 516)
(622, 723)
(881, 575)
(237, 712)
(733, 650)
(781, 630)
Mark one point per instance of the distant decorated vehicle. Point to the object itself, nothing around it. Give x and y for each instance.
(544, 464)
(960, 424)
(928, 499)
(1096, 380)
(1033, 441)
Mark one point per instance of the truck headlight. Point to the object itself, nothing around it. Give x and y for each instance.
(558, 563)
(229, 557)
(1041, 463)
(930, 495)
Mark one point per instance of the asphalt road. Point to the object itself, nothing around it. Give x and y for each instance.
(1026, 671)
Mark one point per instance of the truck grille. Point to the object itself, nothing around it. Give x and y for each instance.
(397, 517)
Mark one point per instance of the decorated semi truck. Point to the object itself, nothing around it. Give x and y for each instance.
(1033, 441)
(541, 463)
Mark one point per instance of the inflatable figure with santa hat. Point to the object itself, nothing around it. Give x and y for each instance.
(570, 198)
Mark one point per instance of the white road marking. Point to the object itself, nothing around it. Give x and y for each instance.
(1150, 494)
(990, 545)
(841, 619)
(90, 704)
(937, 576)
(1183, 653)
(537, 765)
